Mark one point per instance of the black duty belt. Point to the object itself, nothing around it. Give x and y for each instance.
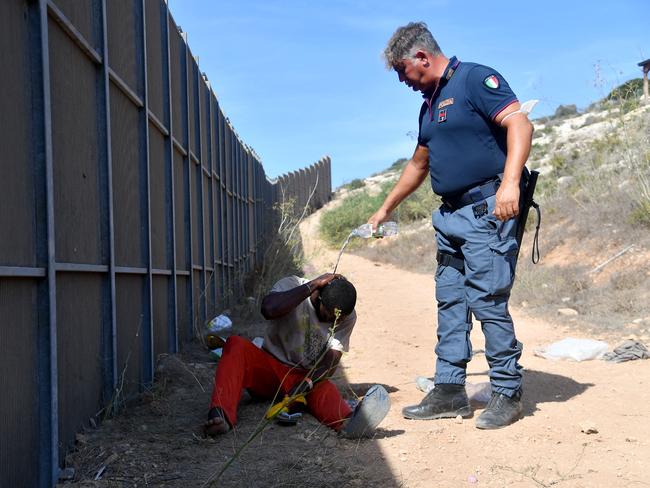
(473, 195)
(445, 259)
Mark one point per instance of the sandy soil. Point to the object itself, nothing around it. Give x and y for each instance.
(393, 342)
(158, 442)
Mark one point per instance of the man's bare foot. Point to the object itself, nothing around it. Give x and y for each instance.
(216, 423)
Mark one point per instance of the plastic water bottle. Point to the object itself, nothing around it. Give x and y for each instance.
(218, 329)
(364, 231)
(387, 229)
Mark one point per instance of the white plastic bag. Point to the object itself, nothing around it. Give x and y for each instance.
(215, 354)
(573, 349)
(220, 324)
(218, 329)
(479, 392)
(424, 384)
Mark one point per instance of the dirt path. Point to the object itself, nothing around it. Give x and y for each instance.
(393, 343)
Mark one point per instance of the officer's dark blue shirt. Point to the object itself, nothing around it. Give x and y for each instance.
(466, 147)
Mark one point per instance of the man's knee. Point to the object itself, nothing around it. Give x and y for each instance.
(322, 388)
(490, 309)
(236, 343)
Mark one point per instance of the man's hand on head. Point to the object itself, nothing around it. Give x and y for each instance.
(322, 280)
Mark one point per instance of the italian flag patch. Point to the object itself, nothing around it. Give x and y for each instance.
(491, 81)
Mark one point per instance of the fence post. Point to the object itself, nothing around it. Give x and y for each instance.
(148, 333)
(169, 165)
(48, 397)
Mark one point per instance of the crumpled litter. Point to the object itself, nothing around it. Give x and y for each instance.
(629, 350)
(221, 324)
(573, 349)
(218, 329)
(424, 384)
(476, 392)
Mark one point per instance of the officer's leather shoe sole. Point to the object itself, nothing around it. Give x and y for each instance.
(440, 404)
(500, 412)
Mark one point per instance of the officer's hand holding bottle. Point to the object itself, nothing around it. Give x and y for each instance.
(377, 218)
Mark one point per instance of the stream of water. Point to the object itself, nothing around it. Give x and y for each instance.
(347, 241)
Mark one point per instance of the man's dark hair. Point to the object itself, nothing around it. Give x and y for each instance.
(341, 294)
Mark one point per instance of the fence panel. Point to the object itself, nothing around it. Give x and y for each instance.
(19, 424)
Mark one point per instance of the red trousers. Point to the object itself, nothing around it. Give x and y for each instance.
(244, 365)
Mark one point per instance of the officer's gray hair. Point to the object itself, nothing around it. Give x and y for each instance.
(407, 40)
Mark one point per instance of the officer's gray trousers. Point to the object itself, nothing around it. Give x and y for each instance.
(489, 250)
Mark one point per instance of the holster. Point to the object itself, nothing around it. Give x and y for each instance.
(527, 201)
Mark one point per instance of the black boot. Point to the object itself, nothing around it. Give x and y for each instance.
(501, 411)
(444, 401)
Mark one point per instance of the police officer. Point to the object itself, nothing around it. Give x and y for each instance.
(473, 142)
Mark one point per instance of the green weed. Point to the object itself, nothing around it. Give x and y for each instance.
(336, 224)
(640, 214)
(558, 162)
(354, 184)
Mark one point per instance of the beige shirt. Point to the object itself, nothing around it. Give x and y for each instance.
(299, 338)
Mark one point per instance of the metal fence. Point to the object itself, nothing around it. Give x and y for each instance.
(307, 189)
(130, 208)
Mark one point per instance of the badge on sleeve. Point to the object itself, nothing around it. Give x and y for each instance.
(442, 115)
(446, 102)
(491, 82)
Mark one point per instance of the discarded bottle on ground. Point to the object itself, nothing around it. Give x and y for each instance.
(218, 329)
(387, 229)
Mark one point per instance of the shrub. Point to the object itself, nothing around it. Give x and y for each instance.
(630, 89)
(336, 224)
(566, 110)
(626, 96)
(592, 119)
(558, 163)
(641, 214)
(355, 184)
(608, 144)
(398, 165)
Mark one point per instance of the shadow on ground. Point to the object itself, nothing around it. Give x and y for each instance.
(542, 387)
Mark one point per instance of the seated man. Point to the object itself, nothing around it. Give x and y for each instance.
(309, 329)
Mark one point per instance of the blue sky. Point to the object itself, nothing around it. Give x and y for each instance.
(304, 79)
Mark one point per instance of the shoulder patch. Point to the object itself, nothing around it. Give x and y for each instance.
(446, 102)
(491, 82)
